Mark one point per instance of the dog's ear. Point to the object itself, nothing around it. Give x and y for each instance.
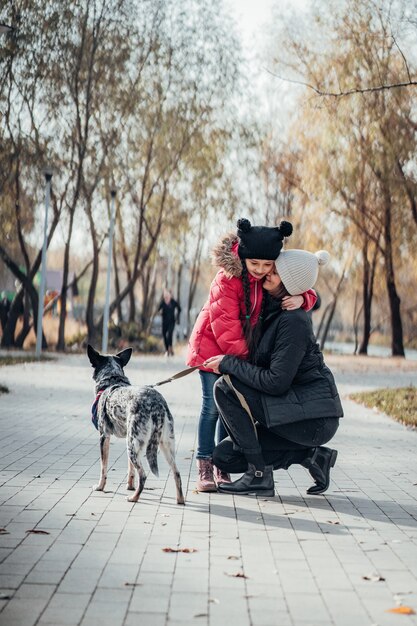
(94, 356)
(124, 356)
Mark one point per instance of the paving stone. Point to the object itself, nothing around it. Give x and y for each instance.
(300, 560)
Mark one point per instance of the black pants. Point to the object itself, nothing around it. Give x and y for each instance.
(167, 332)
(288, 444)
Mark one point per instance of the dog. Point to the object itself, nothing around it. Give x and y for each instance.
(140, 414)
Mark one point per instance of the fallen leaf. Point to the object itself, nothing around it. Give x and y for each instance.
(186, 458)
(5, 596)
(195, 491)
(330, 521)
(403, 610)
(201, 615)
(233, 558)
(214, 600)
(38, 476)
(374, 578)
(164, 524)
(70, 514)
(133, 584)
(237, 575)
(3, 531)
(36, 531)
(187, 550)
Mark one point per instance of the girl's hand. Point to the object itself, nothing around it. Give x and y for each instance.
(290, 303)
(214, 362)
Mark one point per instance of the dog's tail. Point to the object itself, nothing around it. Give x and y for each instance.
(152, 454)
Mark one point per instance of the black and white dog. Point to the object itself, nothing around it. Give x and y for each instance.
(140, 414)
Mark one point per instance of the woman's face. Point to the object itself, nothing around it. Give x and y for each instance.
(259, 268)
(272, 280)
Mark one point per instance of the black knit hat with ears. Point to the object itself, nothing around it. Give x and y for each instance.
(261, 242)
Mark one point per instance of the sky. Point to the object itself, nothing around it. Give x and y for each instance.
(253, 14)
(253, 18)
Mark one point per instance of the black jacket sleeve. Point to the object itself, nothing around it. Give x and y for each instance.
(291, 341)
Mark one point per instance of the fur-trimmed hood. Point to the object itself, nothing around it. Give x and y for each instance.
(224, 255)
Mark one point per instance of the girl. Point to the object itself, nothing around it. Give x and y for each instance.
(225, 323)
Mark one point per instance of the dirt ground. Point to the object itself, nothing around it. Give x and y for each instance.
(343, 363)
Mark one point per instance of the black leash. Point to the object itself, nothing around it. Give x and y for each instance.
(185, 372)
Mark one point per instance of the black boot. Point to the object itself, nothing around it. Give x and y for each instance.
(319, 462)
(253, 482)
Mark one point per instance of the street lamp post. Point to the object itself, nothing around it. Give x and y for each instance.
(48, 177)
(105, 338)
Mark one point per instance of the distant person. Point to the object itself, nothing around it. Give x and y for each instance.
(170, 311)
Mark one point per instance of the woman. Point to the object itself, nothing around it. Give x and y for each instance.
(283, 405)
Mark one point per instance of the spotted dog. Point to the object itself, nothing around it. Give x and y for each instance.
(140, 414)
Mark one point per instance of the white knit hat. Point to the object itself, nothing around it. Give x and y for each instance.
(298, 269)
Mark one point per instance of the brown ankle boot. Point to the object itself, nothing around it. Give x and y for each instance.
(205, 481)
(220, 476)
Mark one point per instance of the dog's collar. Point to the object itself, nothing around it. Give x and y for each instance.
(94, 408)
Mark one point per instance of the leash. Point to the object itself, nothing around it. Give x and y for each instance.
(180, 374)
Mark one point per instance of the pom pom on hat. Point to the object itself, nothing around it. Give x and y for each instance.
(285, 228)
(243, 225)
(298, 269)
(261, 242)
(322, 256)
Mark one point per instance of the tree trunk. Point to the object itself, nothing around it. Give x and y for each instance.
(326, 328)
(117, 285)
(397, 342)
(132, 304)
(64, 289)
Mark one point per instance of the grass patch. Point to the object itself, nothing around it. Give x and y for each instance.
(3, 389)
(401, 404)
(16, 360)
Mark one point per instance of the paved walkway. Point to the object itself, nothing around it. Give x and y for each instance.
(340, 560)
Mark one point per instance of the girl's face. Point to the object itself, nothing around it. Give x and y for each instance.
(272, 280)
(259, 268)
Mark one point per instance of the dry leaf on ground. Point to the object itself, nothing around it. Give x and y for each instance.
(402, 610)
(374, 578)
(237, 575)
(36, 531)
(187, 550)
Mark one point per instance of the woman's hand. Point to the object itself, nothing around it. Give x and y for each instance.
(290, 303)
(214, 362)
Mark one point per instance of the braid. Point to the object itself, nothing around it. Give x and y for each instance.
(247, 329)
(257, 331)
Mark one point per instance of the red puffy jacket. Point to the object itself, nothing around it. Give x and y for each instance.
(219, 326)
